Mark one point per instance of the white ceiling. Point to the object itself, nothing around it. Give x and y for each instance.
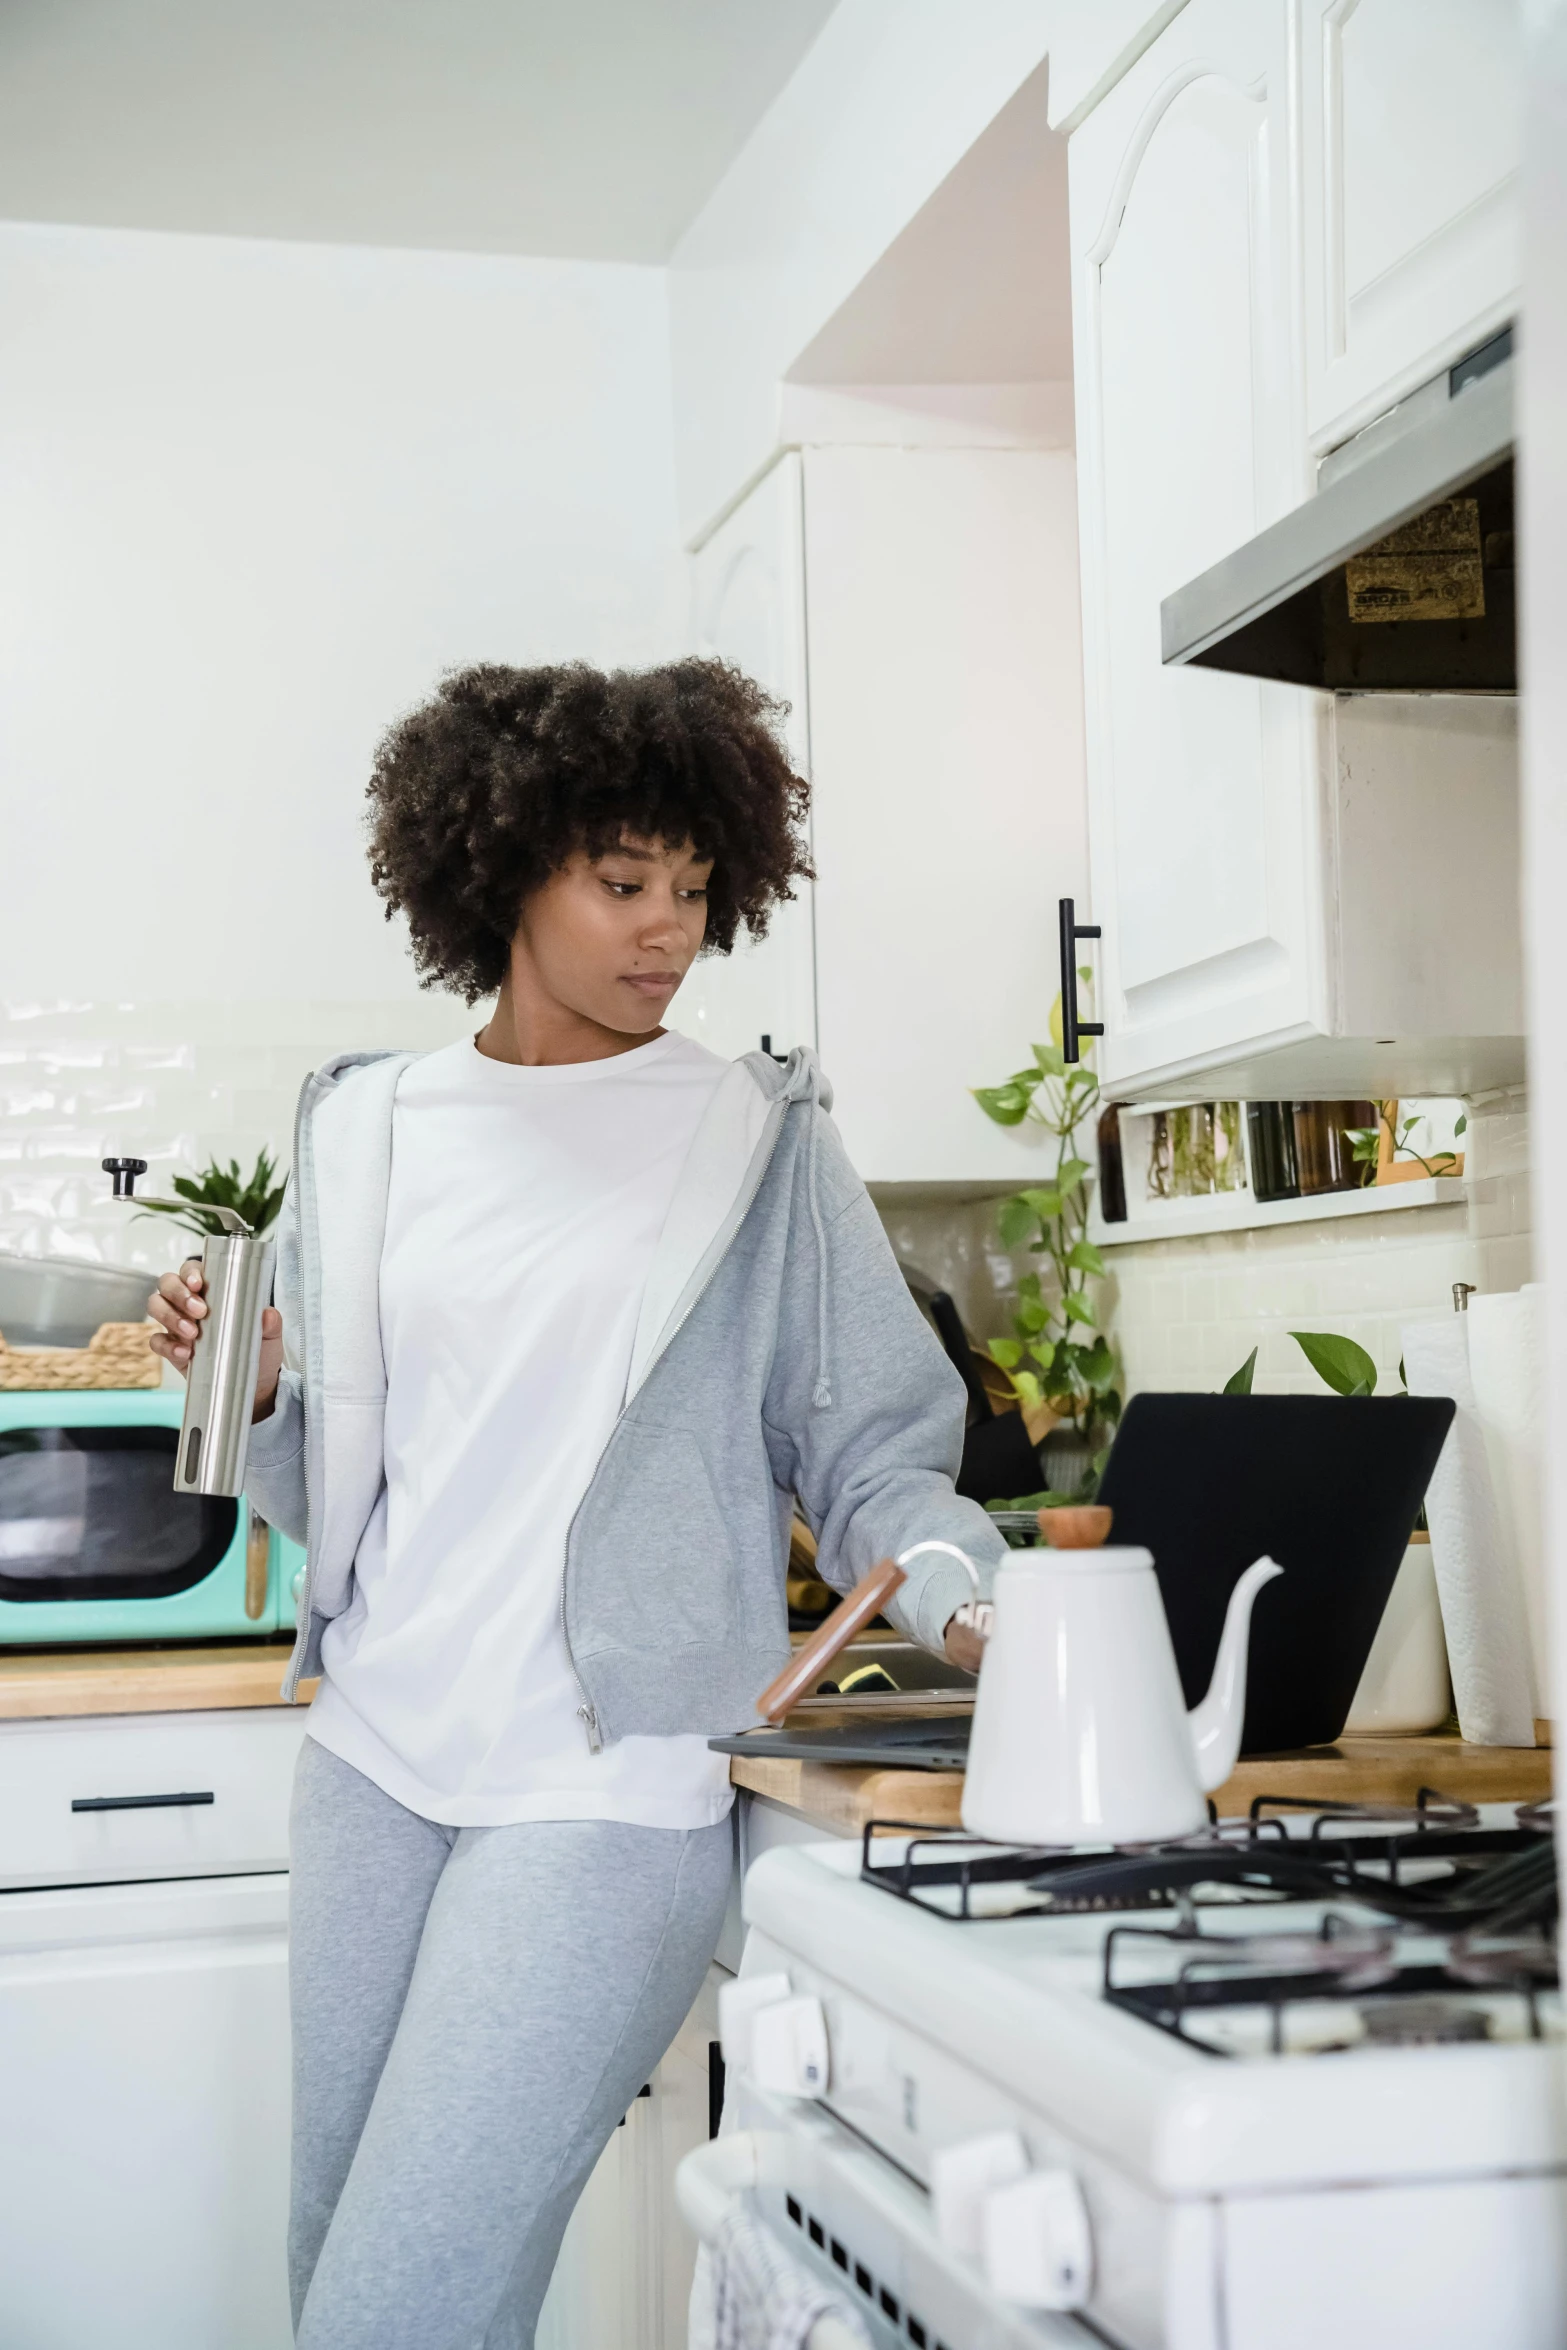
(590, 128)
(977, 288)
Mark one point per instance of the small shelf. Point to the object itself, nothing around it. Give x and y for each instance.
(1242, 1211)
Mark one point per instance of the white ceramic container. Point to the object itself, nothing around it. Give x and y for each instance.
(1405, 1686)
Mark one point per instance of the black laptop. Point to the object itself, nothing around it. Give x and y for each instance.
(1329, 1485)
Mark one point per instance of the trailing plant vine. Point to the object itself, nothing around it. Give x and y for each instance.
(1060, 1356)
(1365, 1143)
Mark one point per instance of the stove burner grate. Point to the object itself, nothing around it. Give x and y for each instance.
(1430, 1862)
(1411, 2003)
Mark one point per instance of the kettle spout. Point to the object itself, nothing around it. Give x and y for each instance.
(1216, 1723)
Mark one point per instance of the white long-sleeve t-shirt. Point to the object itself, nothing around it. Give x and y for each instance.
(524, 1209)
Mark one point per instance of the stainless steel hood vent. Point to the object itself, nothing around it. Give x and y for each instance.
(1397, 577)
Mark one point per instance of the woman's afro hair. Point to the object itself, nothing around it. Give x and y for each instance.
(480, 795)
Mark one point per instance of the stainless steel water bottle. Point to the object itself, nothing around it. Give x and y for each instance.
(220, 1380)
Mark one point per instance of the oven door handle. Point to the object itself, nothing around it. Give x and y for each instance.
(706, 2185)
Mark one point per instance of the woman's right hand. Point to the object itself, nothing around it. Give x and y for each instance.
(179, 1305)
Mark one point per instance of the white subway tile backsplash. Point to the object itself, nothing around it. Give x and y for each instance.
(173, 1083)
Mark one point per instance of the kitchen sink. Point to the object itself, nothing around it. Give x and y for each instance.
(911, 1667)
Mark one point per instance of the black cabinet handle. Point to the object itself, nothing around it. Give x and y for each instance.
(1071, 1026)
(135, 1802)
(715, 2087)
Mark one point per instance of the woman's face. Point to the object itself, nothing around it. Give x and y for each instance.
(611, 938)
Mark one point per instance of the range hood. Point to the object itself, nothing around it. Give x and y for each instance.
(1397, 576)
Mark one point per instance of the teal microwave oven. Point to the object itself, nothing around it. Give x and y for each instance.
(95, 1544)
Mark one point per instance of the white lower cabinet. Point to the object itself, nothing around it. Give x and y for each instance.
(144, 2126)
(144, 2060)
(110, 1798)
(623, 2279)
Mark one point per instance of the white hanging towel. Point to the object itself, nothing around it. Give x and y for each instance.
(750, 2295)
(1477, 1579)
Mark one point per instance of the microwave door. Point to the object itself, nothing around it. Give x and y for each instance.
(90, 1513)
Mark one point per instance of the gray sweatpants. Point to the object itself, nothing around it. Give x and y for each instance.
(473, 2011)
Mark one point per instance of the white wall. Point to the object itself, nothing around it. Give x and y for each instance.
(1543, 616)
(884, 105)
(256, 498)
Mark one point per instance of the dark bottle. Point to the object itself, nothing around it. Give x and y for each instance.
(1112, 1173)
(1270, 1134)
(1323, 1157)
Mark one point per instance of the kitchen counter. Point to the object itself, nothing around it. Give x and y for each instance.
(1357, 1770)
(37, 1684)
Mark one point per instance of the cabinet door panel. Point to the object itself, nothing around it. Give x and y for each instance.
(144, 2159)
(749, 591)
(1202, 787)
(946, 723)
(1410, 123)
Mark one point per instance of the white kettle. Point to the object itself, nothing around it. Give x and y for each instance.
(1081, 1734)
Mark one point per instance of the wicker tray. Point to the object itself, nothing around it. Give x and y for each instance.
(117, 1355)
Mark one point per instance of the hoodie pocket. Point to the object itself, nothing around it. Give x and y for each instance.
(665, 1566)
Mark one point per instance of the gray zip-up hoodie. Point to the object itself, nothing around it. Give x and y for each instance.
(778, 1354)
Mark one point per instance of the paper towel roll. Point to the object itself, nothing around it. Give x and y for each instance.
(1507, 1369)
(1481, 1590)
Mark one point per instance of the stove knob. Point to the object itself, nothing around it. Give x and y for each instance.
(739, 2005)
(1037, 2247)
(962, 2175)
(789, 2048)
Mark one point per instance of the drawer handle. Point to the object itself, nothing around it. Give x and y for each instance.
(135, 1802)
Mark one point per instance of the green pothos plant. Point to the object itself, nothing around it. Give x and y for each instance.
(1365, 1144)
(1060, 1356)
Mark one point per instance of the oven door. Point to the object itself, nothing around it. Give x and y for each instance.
(850, 2216)
(95, 1544)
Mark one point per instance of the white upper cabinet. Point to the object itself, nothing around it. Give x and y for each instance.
(930, 598)
(749, 592)
(1273, 868)
(1410, 127)
(946, 747)
(1202, 786)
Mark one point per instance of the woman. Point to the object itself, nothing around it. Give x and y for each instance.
(570, 1315)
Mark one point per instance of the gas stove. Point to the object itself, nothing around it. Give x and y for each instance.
(1293, 2081)
(1458, 1946)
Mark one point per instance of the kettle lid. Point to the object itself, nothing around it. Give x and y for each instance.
(1116, 1558)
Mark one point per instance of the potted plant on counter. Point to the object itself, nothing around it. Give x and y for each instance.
(257, 1196)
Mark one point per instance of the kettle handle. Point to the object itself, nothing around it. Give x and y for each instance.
(952, 1551)
(975, 1612)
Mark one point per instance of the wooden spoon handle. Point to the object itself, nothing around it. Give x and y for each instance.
(806, 1667)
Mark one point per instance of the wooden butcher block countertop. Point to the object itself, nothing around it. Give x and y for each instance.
(36, 1684)
(1356, 1770)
